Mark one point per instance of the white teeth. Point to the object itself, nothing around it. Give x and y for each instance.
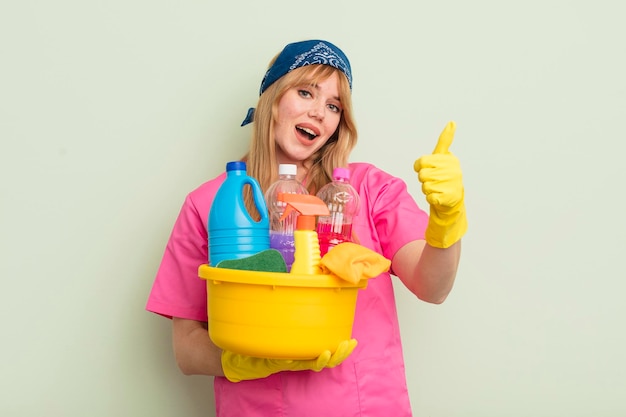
(309, 131)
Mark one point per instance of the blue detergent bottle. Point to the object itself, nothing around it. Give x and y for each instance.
(233, 233)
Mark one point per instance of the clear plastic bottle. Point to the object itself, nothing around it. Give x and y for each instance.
(281, 231)
(343, 203)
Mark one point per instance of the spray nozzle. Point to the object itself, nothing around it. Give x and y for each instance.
(307, 206)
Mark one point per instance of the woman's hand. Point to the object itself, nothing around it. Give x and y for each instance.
(240, 367)
(442, 184)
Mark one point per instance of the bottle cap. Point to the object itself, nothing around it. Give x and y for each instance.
(341, 173)
(287, 169)
(236, 166)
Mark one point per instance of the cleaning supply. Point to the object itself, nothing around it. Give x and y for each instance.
(281, 229)
(233, 233)
(269, 260)
(343, 203)
(307, 248)
(353, 262)
(277, 315)
(442, 184)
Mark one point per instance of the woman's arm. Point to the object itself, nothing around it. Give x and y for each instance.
(428, 267)
(194, 351)
(197, 355)
(427, 271)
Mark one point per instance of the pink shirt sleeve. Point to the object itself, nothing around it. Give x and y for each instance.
(177, 290)
(389, 217)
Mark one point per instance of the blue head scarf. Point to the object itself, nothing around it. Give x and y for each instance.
(300, 54)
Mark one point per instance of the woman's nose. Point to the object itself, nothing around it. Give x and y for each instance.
(317, 110)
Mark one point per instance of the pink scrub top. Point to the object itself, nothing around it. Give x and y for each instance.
(371, 381)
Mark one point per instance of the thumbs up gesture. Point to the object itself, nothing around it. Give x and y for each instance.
(442, 184)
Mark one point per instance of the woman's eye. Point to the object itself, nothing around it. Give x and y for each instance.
(304, 93)
(334, 108)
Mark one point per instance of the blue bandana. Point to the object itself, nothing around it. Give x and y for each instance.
(300, 54)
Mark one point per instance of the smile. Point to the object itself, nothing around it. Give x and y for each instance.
(307, 132)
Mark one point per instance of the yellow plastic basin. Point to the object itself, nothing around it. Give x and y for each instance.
(278, 315)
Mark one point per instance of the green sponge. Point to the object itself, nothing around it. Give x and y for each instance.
(269, 260)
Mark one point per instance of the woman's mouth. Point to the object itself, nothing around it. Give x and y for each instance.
(306, 132)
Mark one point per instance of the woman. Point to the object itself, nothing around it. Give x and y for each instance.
(304, 117)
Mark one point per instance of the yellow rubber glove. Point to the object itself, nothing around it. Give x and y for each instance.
(240, 367)
(442, 184)
(344, 350)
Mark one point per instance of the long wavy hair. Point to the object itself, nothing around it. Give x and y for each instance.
(261, 158)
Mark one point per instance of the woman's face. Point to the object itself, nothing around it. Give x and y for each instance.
(307, 117)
